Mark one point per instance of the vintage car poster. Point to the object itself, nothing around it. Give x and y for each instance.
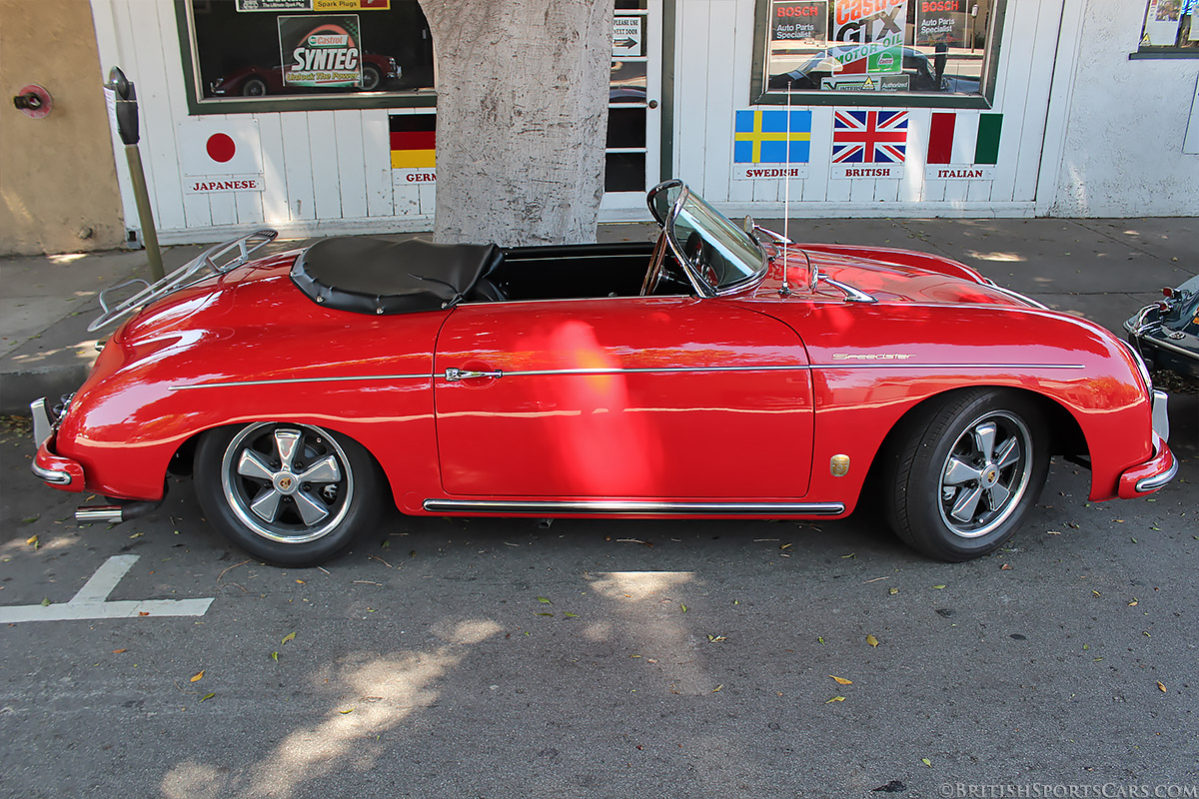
(799, 22)
(941, 22)
(876, 27)
(322, 51)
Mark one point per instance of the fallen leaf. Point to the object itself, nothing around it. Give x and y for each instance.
(301, 582)
(206, 697)
(841, 680)
(1005, 568)
(870, 639)
(143, 613)
(926, 762)
(570, 615)
(785, 546)
(545, 614)
(721, 686)
(835, 699)
(137, 535)
(199, 675)
(544, 601)
(938, 587)
(291, 636)
(33, 541)
(1053, 532)
(1161, 687)
(343, 712)
(682, 608)
(45, 602)
(1133, 603)
(819, 640)
(1096, 593)
(849, 556)
(893, 591)
(119, 651)
(275, 656)
(715, 639)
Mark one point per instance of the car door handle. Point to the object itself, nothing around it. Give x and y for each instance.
(453, 375)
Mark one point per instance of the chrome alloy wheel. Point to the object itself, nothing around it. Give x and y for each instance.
(287, 483)
(986, 474)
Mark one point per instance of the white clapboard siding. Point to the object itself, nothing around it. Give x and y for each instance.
(704, 124)
(323, 171)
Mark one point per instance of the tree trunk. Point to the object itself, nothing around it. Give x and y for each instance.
(522, 118)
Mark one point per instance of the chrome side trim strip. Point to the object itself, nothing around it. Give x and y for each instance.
(905, 365)
(636, 507)
(600, 370)
(51, 476)
(294, 380)
(645, 370)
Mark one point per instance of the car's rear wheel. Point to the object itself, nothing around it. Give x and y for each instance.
(254, 87)
(965, 472)
(289, 494)
(371, 78)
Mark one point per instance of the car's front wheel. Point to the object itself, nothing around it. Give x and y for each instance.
(965, 472)
(289, 494)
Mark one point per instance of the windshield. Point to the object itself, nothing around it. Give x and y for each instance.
(720, 253)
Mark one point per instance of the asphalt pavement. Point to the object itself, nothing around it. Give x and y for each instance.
(507, 658)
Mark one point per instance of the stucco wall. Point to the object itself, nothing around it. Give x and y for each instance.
(1122, 150)
(58, 184)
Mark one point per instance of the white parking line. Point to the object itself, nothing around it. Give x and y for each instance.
(89, 602)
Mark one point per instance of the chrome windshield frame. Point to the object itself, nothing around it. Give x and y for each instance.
(701, 285)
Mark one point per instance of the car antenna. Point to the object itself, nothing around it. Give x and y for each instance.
(785, 289)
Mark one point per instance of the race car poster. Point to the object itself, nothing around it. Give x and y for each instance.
(941, 22)
(877, 28)
(321, 50)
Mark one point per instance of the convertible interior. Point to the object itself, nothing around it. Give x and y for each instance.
(379, 276)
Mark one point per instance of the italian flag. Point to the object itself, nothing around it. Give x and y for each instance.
(966, 138)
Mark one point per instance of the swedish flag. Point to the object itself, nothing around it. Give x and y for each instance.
(761, 137)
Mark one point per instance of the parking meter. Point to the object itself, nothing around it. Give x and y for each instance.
(126, 105)
(125, 111)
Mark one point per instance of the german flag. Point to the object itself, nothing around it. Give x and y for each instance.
(413, 141)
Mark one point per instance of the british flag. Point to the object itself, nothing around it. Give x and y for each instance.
(870, 137)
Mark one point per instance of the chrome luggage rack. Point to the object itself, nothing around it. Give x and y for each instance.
(189, 274)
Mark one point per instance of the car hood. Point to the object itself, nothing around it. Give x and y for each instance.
(889, 276)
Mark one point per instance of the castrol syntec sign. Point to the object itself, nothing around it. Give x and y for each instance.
(321, 50)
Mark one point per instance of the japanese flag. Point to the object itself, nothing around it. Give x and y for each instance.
(220, 147)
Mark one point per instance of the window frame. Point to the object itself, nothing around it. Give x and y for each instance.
(197, 105)
(759, 94)
(1159, 51)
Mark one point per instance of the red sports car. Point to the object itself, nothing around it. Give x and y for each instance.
(721, 371)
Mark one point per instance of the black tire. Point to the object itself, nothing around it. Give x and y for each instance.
(253, 87)
(964, 472)
(289, 494)
(371, 78)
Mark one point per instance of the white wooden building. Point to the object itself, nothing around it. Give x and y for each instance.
(1098, 117)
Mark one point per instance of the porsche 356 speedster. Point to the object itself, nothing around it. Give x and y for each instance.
(721, 371)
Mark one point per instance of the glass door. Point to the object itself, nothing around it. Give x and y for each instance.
(633, 155)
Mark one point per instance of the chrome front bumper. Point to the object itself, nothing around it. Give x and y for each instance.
(1161, 419)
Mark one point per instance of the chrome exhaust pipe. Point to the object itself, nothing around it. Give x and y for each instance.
(113, 514)
(106, 514)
